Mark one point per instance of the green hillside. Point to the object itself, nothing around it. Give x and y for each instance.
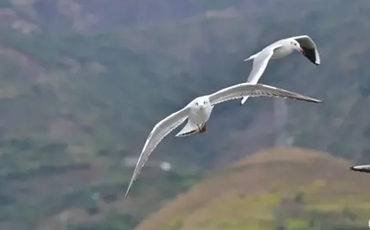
(284, 188)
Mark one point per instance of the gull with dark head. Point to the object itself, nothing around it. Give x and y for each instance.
(199, 111)
(280, 49)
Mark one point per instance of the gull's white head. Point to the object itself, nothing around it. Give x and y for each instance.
(295, 45)
(201, 102)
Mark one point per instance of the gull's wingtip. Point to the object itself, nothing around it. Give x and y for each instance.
(129, 187)
(315, 100)
(126, 194)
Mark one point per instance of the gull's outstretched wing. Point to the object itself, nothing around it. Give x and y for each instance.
(260, 62)
(160, 130)
(310, 49)
(255, 90)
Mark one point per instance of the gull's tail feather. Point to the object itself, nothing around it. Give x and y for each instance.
(251, 57)
(189, 129)
(243, 100)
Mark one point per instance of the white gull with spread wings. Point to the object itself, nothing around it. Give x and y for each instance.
(278, 50)
(198, 112)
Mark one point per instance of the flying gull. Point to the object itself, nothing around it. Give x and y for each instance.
(278, 50)
(198, 112)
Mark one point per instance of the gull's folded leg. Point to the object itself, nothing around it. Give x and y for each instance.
(203, 128)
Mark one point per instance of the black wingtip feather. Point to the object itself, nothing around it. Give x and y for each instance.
(310, 54)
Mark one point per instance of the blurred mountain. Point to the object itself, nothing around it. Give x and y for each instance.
(283, 188)
(82, 83)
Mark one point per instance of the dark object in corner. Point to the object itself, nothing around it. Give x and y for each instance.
(361, 168)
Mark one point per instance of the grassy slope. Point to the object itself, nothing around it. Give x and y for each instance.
(283, 184)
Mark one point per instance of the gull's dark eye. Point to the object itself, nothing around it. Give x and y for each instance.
(204, 102)
(196, 103)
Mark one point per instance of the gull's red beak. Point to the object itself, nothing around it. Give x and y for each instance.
(300, 49)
